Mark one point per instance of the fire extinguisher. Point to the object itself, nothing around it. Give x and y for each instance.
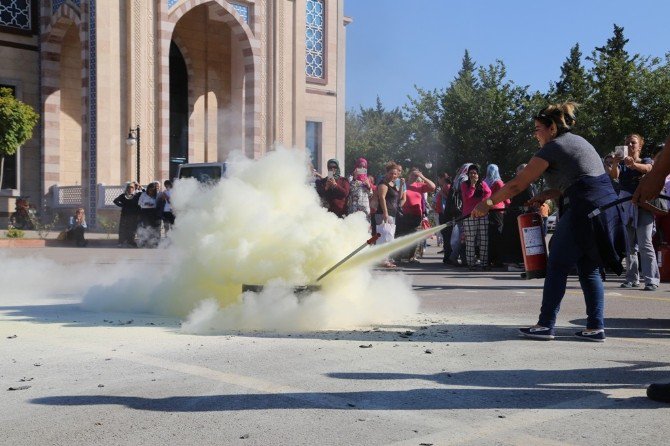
(533, 245)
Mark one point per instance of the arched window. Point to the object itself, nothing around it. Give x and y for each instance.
(315, 40)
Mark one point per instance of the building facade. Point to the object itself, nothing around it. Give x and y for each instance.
(193, 80)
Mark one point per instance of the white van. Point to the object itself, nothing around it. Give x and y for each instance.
(203, 172)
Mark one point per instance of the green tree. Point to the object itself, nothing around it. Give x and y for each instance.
(377, 134)
(652, 103)
(612, 105)
(17, 121)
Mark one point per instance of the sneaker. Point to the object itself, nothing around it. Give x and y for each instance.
(630, 285)
(591, 335)
(659, 392)
(650, 287)
(537, 332)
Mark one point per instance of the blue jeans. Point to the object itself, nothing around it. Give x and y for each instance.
(564, 254)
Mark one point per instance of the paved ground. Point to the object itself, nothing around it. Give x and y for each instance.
(456, 373)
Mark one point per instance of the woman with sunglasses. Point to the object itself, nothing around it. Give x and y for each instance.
(576, 176)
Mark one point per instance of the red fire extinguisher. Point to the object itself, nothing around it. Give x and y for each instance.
(533, 245)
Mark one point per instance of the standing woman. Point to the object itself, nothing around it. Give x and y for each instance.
(495, 183)
(360, 189)
(476, 227)
(575, 173)
(389, 198)
(639, 222)
(130, 209)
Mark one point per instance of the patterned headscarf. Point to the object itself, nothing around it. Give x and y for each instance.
(461, 175)
(492, 175)
(337, 163)
(361, 162)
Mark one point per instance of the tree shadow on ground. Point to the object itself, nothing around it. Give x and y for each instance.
(496, 389)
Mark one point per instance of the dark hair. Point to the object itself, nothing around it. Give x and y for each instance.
(563, 115)
(473, 167)
(167, 183)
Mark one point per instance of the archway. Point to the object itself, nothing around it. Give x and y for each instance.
(179, 110)
(221, 55)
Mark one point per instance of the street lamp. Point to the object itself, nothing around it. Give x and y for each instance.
(134, 138)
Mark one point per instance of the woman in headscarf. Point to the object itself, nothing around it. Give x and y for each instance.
(334, 189)
(476, 227)
(495, 183)
(360, 189)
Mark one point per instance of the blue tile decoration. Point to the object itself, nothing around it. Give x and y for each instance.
(242, 10)
(171, 3)
(92, 115)
(315, 39)
(55, 4)
(16, 14)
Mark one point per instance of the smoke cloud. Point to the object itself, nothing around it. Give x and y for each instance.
(262, 225)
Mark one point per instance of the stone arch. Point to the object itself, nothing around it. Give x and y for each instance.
(190, 71)
(249, 47)
(55, 28)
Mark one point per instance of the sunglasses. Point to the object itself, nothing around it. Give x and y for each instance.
(543, 117)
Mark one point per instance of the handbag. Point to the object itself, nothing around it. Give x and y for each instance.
(658, 206)
(386, 233)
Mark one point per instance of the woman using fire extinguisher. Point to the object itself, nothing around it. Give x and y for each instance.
(577, 178)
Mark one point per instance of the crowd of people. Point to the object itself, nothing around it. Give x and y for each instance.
(403, 201)
(143, 212)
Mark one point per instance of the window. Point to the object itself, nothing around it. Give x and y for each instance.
(315, 40)
(313, 142)
(9, 178)
(19, 16)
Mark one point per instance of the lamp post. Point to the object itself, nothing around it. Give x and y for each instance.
(133, 139)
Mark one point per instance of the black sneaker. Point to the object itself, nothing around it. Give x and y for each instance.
(659, 392)
(541, 333)
(591, 335)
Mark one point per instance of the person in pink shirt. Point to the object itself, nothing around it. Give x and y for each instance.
(473, 192)
(414, 208)
(495, 183)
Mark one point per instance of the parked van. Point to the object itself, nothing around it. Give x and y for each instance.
(203, 172)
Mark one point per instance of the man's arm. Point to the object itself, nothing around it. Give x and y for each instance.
(652, 183)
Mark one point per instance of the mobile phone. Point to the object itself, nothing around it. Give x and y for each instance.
(621, 151)
(331, 174)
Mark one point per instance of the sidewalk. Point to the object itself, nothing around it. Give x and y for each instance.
(33, 239)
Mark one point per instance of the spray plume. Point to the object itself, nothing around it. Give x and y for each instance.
(262, 225)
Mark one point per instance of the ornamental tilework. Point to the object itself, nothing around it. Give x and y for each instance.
(242, 10)
(93, 115)
(314, 66)
(55, 4)
(171, 3)
(16, 14)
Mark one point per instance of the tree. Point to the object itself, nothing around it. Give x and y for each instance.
(612, 105)
(17, 121)
(652, 102)
(377, 134)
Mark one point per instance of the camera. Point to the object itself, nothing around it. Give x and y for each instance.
(621, 152)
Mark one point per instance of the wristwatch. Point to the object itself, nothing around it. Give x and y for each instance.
(489, 202)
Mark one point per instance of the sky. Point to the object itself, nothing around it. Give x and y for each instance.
(393, 45)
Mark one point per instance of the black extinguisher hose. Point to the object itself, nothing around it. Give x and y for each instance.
(601, 209)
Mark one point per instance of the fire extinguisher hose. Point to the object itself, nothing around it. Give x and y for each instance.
(601, 209)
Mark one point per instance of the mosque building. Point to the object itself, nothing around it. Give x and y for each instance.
(130, 89)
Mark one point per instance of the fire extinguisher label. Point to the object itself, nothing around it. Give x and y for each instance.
(533, 240)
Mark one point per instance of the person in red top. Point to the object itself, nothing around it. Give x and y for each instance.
(334, 190)
(495, 183)
(473, 192)
(414, 208)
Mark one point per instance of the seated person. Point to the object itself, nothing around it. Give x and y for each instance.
(77, 227)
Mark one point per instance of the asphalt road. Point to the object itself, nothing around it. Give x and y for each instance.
(455, 373)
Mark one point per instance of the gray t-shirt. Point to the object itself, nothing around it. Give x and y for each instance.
(570, 158)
